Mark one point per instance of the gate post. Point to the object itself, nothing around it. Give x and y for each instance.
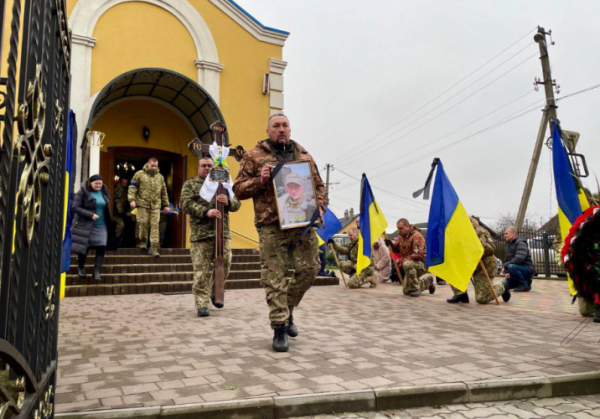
(546, 250)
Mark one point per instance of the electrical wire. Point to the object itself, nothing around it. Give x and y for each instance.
(453, 86)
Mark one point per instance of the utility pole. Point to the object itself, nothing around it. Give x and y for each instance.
(549, 114)
(327, 182)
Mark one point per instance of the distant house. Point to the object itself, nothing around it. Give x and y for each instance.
(551, 226)
(348, 221)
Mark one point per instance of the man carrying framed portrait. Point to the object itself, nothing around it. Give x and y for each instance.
(282, 179)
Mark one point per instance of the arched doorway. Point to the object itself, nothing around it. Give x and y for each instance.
(153, 112)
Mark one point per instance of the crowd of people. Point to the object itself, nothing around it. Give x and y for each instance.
(281, 249)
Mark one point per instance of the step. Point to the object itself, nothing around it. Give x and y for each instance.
(167, 287)
(152, 277)
(168, 259)
(173, 252)
(152, 268)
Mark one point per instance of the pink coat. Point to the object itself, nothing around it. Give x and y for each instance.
(382, 262)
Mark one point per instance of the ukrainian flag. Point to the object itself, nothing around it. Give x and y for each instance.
(572, 201)
(372, 224)
(331, 226)
(67, 216)
(453, 248)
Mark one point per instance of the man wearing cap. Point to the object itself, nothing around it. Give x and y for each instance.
(280, 250)
(294, 206)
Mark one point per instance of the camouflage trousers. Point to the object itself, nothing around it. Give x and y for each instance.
(203, 261)
(357, 281)
(119, 225)
(416, 277)
(147, 219)
(280, 251)
(483, 293)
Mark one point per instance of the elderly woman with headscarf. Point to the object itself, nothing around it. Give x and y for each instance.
(92, 224)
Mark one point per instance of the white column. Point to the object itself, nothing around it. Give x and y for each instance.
(95, 139)
(81, 68)
(209, 77)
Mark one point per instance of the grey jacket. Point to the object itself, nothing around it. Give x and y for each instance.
(517, 253)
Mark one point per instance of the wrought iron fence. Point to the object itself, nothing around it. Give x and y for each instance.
(545, 258)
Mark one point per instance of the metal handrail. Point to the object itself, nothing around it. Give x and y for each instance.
(246, 237)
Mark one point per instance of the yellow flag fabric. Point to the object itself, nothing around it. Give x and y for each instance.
(462, 250)
(374, 226)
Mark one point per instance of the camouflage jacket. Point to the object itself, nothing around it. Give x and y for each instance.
(121, 202)
(196, 207)
(488, 258)
(411, 247)
(350, 249)
(148, 190)
(247, 183)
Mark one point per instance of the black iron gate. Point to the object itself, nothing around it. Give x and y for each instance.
(34, 104)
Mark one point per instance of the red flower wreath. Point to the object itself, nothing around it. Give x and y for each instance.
(581, 254)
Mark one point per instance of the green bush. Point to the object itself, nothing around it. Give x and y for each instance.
(330, 259)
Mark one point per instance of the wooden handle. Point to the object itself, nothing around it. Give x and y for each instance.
(489, 282)
(338, 264)
(394, 261)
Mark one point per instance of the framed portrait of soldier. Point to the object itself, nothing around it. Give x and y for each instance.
(295, 193)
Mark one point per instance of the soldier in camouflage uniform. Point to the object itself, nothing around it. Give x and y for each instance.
(483, 293)
(280, 250)
(148, 193)
(410, 245)
(202, 222)
(367, 275)
(121, 208)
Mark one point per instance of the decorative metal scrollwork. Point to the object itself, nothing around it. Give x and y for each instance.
(31, 123)
(65, 40)
(12, 394)
(50, 294)
(46, 407)
(58, 119)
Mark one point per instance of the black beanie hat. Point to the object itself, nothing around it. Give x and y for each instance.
(95, 178)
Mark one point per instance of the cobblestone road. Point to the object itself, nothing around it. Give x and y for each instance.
(147, 350)
(586, 407)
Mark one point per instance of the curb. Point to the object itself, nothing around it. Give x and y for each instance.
(365, 400)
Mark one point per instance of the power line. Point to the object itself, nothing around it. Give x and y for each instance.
(454, 85)
(450, 108)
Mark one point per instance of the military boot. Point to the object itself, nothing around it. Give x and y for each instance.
(81, 265)
(203, 312)
(140, 244)
(431, 287)
(440, 281)
(292, 329)
(415, 293)
(460, 298)
(373, 282)
(280, 338)
(217, 305)
(154, 251)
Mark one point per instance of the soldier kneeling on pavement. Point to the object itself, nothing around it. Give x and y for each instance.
(483, 293)
(412, 250)
(367, 275)
(202, 216)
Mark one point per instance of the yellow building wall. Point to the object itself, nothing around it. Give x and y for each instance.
(123, 125)
(135, 34)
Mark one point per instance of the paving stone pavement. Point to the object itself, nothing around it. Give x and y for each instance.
(585, 407)
(148, 350)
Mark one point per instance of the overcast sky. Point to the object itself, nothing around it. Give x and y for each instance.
(359, 70)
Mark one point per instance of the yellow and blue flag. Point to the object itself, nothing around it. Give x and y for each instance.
(372, 224)
(572, 201)
(67, 214)
(453, 248)
(331, 226)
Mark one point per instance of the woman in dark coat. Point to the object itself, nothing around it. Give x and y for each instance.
(93, 227)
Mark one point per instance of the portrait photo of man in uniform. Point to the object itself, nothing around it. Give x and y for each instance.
(296, 200)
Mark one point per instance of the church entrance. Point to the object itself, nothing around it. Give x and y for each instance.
(123, 162)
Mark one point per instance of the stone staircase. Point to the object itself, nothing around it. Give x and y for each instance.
(132, 271)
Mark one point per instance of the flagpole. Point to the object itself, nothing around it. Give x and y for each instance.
(338, 264)
(489, 282)
(394, 260)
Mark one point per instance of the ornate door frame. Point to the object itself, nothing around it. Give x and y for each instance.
(33, 126)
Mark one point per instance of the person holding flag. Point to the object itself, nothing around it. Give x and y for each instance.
(357, 280)
(453, 248)
(412, 250)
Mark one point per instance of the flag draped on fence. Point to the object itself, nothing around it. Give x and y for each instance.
(453, 248)
(571, 199)
(331, 226)
(372, 224)
(67, 216)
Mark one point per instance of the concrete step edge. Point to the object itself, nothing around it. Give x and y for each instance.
(365, 400)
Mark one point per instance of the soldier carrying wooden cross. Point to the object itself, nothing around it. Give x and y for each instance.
(208, 199)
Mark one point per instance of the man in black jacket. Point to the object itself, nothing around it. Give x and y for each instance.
(518, 265)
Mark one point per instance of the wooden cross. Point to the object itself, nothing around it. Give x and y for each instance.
(198, 148)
